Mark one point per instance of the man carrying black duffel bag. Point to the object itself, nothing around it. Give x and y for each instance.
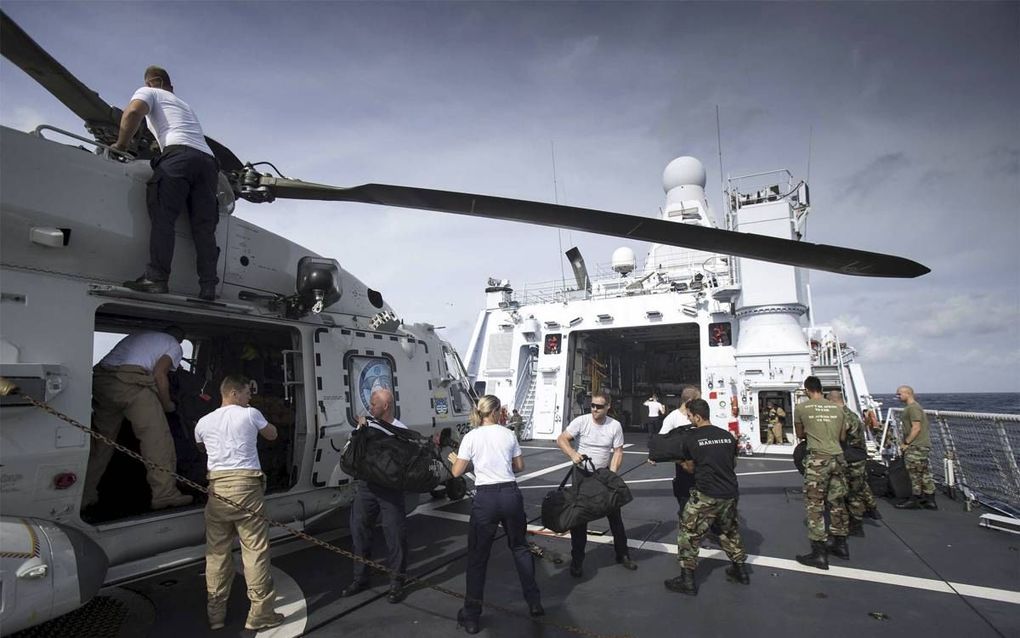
(711, 454)
(601, 439)
(372, 500)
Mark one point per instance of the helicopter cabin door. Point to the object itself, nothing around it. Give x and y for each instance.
(332, 423)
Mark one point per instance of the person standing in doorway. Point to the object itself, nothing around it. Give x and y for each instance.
(655, 412)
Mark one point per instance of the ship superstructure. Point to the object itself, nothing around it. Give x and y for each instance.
(739, 329)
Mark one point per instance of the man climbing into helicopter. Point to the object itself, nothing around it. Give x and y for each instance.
(132, 382)
(184, 176)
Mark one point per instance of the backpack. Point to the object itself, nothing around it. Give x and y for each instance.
(592, 494)
(401, 460)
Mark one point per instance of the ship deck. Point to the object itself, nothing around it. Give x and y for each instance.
(915, 573)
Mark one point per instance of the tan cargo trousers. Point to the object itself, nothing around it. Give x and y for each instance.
(130, 392)
(224, 523)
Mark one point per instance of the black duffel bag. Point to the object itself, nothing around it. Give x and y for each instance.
(668, 446)
(855, 454)
(878, 478)
(591, 495)
(799, 453)
(401, 460)
(899, 480)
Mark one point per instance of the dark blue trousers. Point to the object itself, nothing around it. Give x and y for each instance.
(494, 505)
(183, 179)
(370, 502)
(579, 538)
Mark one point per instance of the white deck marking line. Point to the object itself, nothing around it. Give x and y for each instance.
(548, 470)
(655, 480)
(290, 601)
(850, 573)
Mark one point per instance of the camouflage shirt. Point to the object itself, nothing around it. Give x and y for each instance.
(854, 429)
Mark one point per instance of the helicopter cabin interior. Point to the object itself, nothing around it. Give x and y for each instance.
(213, 347)
(632, 363)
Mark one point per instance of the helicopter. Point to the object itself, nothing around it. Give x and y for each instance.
(314, 338)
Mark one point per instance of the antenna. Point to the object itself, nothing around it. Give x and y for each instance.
(559, 232)
(722, 184)
(810, 134)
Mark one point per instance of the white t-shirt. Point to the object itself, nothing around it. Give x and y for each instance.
(230, 434)
(655, 409)
(144, 349)
(491, 448)
(597, 441)
(171, 120)
(674, 420)
(394, 423)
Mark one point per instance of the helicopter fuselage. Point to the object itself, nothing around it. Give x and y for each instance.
(74, 224)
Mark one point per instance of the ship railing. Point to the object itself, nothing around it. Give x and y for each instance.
(974, 453)
(697, 275)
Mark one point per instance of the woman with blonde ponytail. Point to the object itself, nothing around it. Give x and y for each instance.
(496, 456)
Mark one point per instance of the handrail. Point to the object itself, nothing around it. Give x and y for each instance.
(977, 454)
(108, 151)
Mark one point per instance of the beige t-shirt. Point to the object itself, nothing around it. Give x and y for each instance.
(822, 422)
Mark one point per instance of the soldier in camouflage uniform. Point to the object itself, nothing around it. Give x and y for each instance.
(822, 423)
(860, 500)
(916, 448)
(710, 454)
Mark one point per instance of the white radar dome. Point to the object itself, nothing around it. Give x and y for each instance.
(623, 260)
(683, 171)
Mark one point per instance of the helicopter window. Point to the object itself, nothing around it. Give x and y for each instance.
(366, 374)
(375, 298)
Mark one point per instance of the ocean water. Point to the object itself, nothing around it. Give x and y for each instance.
(995, 402)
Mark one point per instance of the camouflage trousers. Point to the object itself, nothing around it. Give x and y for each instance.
(698, 515)
(825, 481)
(919, 469)
(859, 497)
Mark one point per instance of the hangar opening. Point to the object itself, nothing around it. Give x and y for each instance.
(632, 364)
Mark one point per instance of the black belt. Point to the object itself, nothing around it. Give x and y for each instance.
(496, 486)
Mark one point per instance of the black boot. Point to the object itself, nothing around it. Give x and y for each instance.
(856, 527)
(684, 583)
(910, 503)
(838, 547)
(928, 502)
(207, 292)
(819, 556)
(144, 284)
(873, 514)
(737, 573)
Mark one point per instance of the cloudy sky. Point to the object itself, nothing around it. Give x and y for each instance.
(912, 111)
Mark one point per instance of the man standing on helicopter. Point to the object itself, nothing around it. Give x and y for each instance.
(184, 176)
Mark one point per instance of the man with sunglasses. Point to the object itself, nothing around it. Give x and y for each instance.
(185, 176)
(600, 438)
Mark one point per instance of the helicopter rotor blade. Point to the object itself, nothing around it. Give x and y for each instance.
(101, 119)
(847, 261)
